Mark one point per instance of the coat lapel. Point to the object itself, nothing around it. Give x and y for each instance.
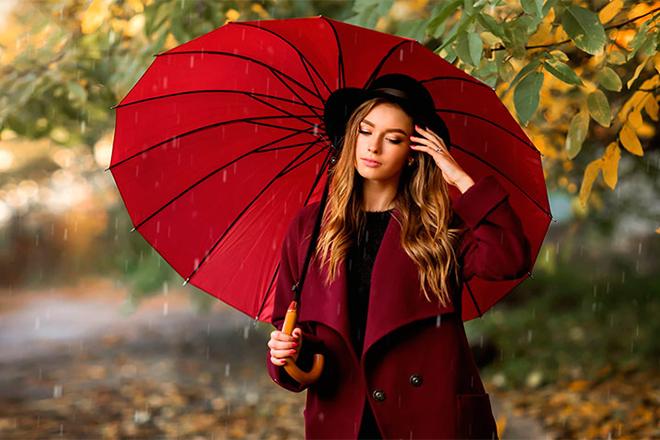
(395, 297)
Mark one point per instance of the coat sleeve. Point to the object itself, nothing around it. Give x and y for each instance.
(288, 274)
(493, 246)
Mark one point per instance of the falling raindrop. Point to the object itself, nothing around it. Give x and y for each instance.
(246, 331)
(57, 391)
(438, 320)
(227, 366)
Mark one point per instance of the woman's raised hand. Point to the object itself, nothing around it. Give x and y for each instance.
(434, 145)
(283, 346)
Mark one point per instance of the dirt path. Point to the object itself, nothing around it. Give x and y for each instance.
(73, 364)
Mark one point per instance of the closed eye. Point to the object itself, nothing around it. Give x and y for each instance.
(394, 141)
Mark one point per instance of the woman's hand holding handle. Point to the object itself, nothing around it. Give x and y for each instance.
(283, 346)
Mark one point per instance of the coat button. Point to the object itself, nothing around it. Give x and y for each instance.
(379, 395)
(416, 380)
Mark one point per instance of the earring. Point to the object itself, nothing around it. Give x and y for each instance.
(411, 161)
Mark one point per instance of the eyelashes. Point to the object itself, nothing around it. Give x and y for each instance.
(394, 141)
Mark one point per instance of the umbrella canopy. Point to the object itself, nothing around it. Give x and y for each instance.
(221, 142)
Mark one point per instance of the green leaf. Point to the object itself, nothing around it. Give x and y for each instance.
(608, 79)
(437, 24)
(585, 30)
(526, 96)
(415, 29)
(638, 40)
(599, 107)
(532, 7)
(524, 71)
(516, 35)
(491, 25)
(457, 29)
(562, 72)
(469, 48)
(577, 132)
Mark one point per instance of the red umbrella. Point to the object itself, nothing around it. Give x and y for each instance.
(221, 142)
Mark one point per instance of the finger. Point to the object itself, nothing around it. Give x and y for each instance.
(281, 336)
(280, 345)
(283, 345)
(282, 353)
(426, 148)
(421, 141)
(433, 135)
(278, 362)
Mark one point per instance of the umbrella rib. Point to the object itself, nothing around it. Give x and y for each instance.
(292, 91)
(309, 195)
(240, 215)
(251, 94)
(217, 170)
(459, 78)
(273, 70)
(382, 61)
(474, 301)
(208, 127)
(303, 58)
(495, 124)
(340, 55)
(503, 175)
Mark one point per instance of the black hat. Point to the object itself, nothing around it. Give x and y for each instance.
(399, 88)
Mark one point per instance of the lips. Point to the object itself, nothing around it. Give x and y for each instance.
(370, 162)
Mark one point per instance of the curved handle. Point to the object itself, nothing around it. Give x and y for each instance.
(290, 366)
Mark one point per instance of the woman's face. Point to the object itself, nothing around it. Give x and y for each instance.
(385, 138)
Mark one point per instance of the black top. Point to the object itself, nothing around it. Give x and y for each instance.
(360, 261)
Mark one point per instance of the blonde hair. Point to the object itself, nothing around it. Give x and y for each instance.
(422, 200)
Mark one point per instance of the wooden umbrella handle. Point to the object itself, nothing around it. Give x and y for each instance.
(290, 366)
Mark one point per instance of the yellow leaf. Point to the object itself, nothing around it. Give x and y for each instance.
(635, 119)
(656, 61)
(542, 35)
(135, 5)
(135, 25)
(633, 102)
(610, 10)
(232, 14)
(638, 70)
(610, 164)
(657, 231)
(651, 107)
(630, 141)
(590, 174)
(94, 16)
(170, 41)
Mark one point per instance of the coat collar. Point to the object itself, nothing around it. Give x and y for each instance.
(395, 297)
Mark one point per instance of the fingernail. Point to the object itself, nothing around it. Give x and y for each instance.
(295, 344)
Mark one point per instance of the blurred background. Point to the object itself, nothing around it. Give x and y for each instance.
(98, 336)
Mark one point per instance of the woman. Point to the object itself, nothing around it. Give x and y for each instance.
(378, 298)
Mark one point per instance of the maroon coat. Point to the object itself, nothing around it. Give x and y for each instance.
(417, 370)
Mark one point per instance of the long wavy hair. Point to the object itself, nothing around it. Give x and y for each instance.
(422, 200)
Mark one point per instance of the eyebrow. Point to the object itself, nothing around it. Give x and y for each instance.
(400, 130)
